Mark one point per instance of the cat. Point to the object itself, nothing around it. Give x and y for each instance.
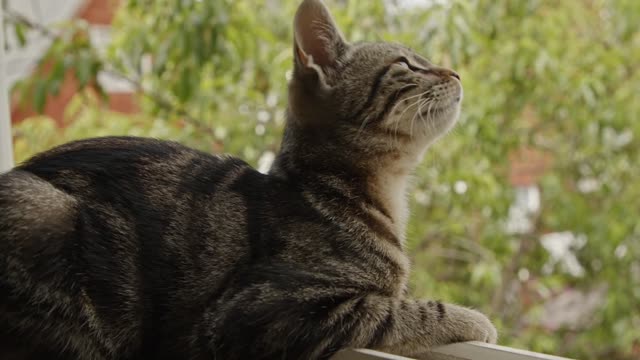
(133, 248)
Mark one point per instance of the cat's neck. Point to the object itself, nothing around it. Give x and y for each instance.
(383, 179)
(390, 187)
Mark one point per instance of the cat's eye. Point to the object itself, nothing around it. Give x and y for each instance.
(404, 62)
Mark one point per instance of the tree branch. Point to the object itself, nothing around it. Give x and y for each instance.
(158, 99)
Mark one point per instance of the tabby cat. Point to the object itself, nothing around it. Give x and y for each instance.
(132, 248)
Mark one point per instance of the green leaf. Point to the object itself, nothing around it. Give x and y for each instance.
(20, 31)
(56, 78)
(40, 95)
(84, 67)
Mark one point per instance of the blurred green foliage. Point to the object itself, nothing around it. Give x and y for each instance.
(560, 77)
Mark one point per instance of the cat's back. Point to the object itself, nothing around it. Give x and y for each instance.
(139, 175)
(138, 161)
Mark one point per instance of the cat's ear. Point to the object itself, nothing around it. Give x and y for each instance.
(318, 43)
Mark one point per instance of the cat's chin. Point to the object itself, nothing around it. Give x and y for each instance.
(440, 122)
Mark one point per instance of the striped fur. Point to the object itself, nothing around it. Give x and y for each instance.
(130, 248)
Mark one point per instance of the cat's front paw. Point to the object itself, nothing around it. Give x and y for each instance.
(469, 325)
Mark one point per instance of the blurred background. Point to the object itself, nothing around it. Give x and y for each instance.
(528, 211)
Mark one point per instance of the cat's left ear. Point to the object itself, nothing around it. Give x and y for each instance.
(318, 43)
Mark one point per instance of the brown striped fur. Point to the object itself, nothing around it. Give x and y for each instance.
(130, 248)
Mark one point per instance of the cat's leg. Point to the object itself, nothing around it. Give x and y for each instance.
(315, 323)
(410, 327)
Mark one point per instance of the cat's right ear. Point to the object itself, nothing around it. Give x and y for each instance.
(318, 43)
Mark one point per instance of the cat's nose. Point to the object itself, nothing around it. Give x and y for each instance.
(445, 73)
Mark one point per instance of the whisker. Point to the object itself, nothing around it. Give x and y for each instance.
(432, 125)
(399, 119)
(413, 119)
(428, 103)
(421, 102)
(366, 120)
(408, 107)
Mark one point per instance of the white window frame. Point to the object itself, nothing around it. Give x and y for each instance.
(6, 138)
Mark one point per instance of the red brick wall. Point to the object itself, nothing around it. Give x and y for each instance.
(99, 12)
(527, 166)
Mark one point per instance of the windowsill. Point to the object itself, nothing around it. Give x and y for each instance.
(460, 351)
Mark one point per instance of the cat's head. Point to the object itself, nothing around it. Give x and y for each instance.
(366, 96)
